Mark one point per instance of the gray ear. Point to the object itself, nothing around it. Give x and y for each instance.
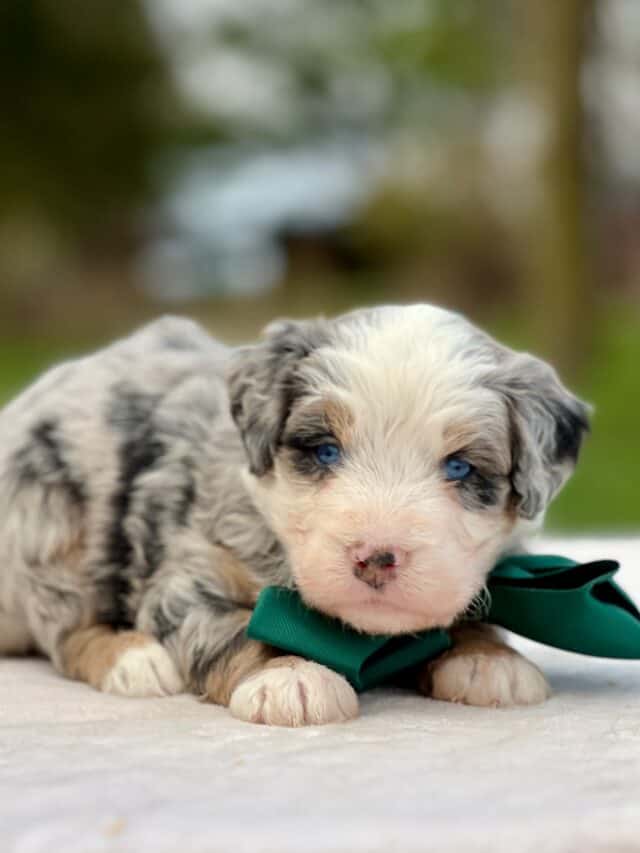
(547, 427)
(263, 385)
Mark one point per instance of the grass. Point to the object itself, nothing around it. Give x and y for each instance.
(21, 361)
(604, 494)
(605, 491)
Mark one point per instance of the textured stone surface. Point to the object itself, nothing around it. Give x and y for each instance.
(90, 772)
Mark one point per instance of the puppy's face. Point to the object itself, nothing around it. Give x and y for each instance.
(396, 453)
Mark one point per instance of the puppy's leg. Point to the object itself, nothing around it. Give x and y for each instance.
(201, 617)
(481, 670)
(63, 615)
(128, 663)
(258, 685)
(291, 691)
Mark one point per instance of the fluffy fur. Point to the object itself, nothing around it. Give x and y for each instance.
(155, 487)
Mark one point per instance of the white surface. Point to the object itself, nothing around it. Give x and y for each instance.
(81, 771)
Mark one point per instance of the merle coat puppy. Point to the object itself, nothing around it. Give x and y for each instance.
(380, 462)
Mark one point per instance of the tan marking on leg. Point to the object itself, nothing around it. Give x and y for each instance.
(235, 665)
(468, 639)
(90, 653)
(482, 670)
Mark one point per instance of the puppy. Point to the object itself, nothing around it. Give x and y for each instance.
(380, 462)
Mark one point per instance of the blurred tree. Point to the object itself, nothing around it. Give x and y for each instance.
(558, 263)
(425, 71)
(90, 109)
(367, 64)
(87, 106)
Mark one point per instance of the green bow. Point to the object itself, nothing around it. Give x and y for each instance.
(551, 599)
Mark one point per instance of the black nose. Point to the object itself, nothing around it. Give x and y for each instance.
(381, 559)
(375, 569)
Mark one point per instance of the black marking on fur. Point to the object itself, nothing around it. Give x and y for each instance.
(263, 384)
(479, 491)
(300, 440)
(547, 425)
(153, 545)
(145, 446)
(43, 461)
(163, 626)
(205, 660)
(138, 453)
(569, 416)
(132, 415)
(304, 462)
(187, 495)
(170, 615)
(570, 428)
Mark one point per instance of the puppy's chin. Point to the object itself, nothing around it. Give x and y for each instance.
(383, 618)
(386, 612)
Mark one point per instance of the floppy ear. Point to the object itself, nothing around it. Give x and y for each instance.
(263, 385)
(547, 427)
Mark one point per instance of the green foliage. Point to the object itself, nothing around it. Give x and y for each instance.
(371, 64)
(454, 45)
(21, 361)
(605, 493)
(87, 102)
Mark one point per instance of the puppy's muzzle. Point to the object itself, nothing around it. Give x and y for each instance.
(376, 566)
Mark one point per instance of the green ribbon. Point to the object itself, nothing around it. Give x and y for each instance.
(550, 599)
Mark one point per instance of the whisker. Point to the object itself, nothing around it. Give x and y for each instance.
(479, 606)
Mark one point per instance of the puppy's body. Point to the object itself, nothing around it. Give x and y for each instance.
(121, 502)
(148, 492)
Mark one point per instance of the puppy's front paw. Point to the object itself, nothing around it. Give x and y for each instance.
(499, 677)
(143, 671)
(291, 691)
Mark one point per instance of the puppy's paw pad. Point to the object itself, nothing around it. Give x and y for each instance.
(143, 671)
(294, 692)
(501, 679)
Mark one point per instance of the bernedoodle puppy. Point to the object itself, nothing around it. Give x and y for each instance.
(380, 462)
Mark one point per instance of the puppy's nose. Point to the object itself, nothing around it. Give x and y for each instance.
(376, 566)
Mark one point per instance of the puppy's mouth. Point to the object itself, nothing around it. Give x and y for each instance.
(379, 615)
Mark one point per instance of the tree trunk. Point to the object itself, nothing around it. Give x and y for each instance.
(559, 268)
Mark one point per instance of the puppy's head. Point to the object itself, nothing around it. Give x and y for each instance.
(396, 452)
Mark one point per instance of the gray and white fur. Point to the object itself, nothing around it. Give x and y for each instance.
(149, 491)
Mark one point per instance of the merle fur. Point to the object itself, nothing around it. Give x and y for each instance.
(43, 459)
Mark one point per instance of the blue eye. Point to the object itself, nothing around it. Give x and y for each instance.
(327, 454)
(457, 469)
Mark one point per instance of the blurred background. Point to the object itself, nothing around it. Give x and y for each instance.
(236, 160)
